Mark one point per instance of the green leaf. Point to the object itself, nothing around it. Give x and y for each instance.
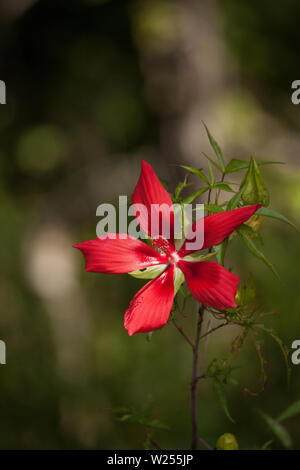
(220, 392)
(266, 445)
(248, 230)
(216, 148)
(290, 412)
(196, 172)
(193, 196)
(178, 189)
(221, 250)
(235, 200)
(212, 176)
(223, 186)
(284, 350)
(236, 164)
(213, 162)
(255, 251)
(275, 215)
(149, 273)
(278, 430)
(249, 294)
(181, 185)
(214, 208)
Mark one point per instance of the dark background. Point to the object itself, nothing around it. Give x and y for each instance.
(92, 88)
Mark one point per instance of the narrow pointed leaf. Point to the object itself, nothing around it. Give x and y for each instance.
(216, 148)
(220, 392)
(278, 430)
(284, 349)
(213, 162)
(213, 208)
(235, 200)
(181, 185)
(290, 412)
(255, 251)
(212, 176)
(236, 164)
(193, 196)
(196, 172)
(223, 186)
(275, 215)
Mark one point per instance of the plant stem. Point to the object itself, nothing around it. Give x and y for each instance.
(218, 192)
(195, 379)
(183, 334)
(203, 442)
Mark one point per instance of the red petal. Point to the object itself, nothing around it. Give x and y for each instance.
(210, 283)
(117, 256)
(151, 306)
(149, 191)
(219, 226)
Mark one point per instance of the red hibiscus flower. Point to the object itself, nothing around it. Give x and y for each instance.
(209, 282)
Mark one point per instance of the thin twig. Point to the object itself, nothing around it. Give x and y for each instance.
(219, 191)
(206, 444)
(183, 334)
(203, 376)
(155, 445)
(204, 348)
(214, 329)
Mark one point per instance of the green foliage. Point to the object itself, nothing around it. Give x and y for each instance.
(246, 296)
(233, 202)
(283, 348)
(216, 165)
(213, 208)
(266, 445)
(254, 190)
(192, 197)
(142, 418)
(266, 212)
(247, 314)
(216, 148)
(290, 412)
(247, 240)
(236, 165)
(277, 429)
(221, 395)
(196, 172)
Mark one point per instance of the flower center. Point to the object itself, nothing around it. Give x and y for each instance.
(174, 258)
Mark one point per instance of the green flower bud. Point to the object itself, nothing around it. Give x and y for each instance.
(227, 442)
(254, 191)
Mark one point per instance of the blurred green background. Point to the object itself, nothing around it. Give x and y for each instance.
(92, 88)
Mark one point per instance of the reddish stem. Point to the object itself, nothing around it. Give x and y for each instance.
(195, 379)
